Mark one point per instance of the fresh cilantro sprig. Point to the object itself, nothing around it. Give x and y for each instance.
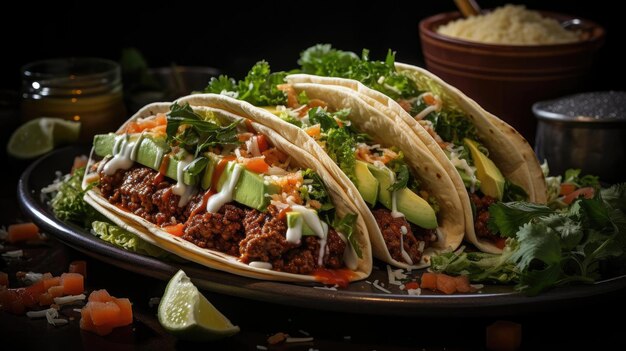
(549, 247)
(199, 134)
(259, 87)
(323, 59)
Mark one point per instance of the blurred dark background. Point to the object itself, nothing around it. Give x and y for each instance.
(231, 35)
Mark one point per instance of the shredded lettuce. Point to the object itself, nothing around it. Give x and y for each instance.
(126, 240)
(68, 204)
(345, 226)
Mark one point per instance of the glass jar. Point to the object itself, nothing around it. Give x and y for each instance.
(88, 90)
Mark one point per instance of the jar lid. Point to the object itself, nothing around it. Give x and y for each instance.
(593, 107)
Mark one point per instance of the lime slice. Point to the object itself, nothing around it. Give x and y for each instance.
(36, 137)
(186, 313)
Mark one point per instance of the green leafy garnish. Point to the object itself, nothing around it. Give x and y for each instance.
(549, 247)
(341, 147)
(513, 192)
(68, 204)
(259, 87)
(506, 218)
(314, 189)
(572, 176)
(345, 226)
(199, 134)
(324, 60)
(126, 240)
(402, 177)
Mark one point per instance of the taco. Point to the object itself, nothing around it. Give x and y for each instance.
(409, 202)
(487, 159)
(186, 180)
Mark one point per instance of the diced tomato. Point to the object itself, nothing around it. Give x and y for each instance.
(161, 119)
(27, 298)
(500, 243)
(249, 127)
(126, 312)
(146, 124)
(429, 281)
(313, 131)
(316, 103)
(55, 291)
(100, 296)
(257, 165)
(132, 127)
(462, 284)
(79, 267)
(176, 229)
(292, 98)
(446, 284)
(104, 313)
(45, 299)
(73, 283)
(587, 193)
(567, 188)
(261, 140)
(22, 232)
(411, 285)
(79, 162)
(429, 99)
(4, 279)
(159, 129)
(37, 289)
(85, 319)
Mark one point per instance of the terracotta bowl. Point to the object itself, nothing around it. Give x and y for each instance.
(506, 79)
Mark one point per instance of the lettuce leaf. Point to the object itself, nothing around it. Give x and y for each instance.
(68, 204)
(126, 240)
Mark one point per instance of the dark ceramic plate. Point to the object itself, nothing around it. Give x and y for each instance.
(360, 297)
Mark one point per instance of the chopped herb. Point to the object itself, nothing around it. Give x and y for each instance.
(198, 134)
(345, 226)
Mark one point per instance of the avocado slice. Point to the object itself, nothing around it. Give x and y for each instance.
(150, 154)
(367, 184)
(416, 210)
(491, 180)
(251, 189)
(384, 182)
(292, 219)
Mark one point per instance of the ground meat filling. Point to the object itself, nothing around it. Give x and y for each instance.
(134, 190)
(482, 217)
(235, 229)
(265, 241)
(221, 231)
(391, 229)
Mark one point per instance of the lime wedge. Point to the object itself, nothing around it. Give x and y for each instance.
(36, 137)
(186, 313)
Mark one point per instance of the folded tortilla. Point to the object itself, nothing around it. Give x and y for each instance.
(222, 108)
(507, 148)
(376, 124)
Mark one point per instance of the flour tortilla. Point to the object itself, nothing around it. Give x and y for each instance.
(507, 148)
(215, 259)
(376, 124)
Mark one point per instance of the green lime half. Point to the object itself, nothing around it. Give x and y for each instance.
(186, 313)
(36, 137)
